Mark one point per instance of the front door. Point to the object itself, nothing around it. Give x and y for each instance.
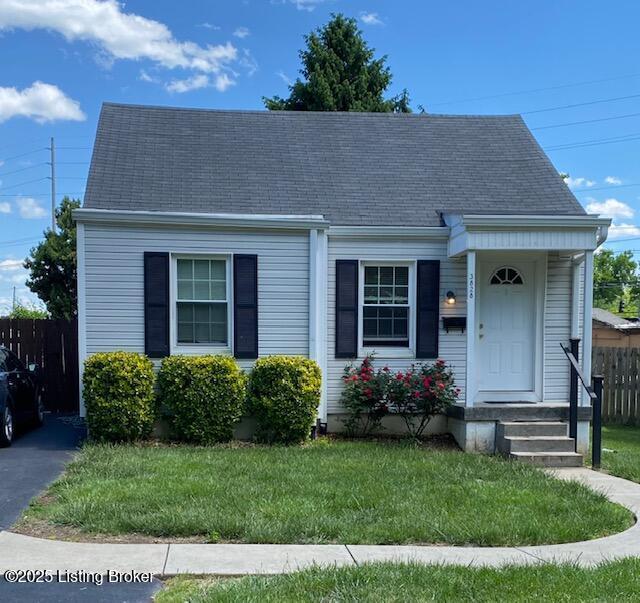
(506, 327)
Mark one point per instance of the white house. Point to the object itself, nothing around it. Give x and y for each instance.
(331, 235)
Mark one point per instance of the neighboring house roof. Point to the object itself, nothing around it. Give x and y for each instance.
(612, 320)
(354, 168)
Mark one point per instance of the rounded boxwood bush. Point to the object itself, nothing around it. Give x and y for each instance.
(118, 396)
(203, 396)
(283, 395)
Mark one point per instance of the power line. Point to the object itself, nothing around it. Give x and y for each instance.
(594, 102)
(604, 188)
(23, 183)
(29, 167)
(25, 154)
(531, 90)
(42, 195)
(632, 136)
(585, 121)
(592, 144)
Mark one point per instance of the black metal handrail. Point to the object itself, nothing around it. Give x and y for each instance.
(594, 392)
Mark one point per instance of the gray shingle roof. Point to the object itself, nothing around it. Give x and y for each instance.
(354, 168)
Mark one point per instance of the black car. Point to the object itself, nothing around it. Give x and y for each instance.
(20, 397)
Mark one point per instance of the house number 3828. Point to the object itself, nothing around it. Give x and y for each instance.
(471, 286)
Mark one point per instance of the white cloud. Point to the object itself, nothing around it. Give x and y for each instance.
(41, 102)
(610, 208)
(308, 5)
(221, 82)
(617, 231)
(30, 209)
(5, 207)
(284, 77)
(371, 19)
(579, 182)
(192, 83)
(145, 77)
(207, 25)
(117, 35)
(241, 32)
(10, 265)
(613, 180)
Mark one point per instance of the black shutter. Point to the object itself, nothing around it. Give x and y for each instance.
(428, 309)
(245, 306)
(346, 308)
(156, 304)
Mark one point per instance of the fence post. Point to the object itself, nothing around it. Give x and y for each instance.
(596, 423)
(573, 392)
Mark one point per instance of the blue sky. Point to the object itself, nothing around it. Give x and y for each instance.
(63, 58)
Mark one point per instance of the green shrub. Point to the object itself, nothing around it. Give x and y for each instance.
(118, 395)
(203, 395)
(284, 394)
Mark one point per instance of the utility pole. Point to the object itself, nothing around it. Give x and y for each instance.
(13, 307)
(53, 185)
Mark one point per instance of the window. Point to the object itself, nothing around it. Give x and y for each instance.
(385, 312)
(506, 276)
(202, 307)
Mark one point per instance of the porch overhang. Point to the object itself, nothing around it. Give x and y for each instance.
(473, 232)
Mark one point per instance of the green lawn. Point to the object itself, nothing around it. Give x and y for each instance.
(617, 581)
(344, 492)
(621, 451)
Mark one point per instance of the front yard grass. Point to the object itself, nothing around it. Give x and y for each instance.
(621, 451)
(615, 581)
(324, 492)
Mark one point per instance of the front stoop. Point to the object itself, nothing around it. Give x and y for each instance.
(543, 443)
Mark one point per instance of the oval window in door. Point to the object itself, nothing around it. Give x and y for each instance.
(506, 275)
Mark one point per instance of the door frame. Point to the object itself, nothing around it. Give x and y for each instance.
(540, 282)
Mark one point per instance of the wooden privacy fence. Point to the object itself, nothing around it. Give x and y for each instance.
(621, 394)
(53, 345)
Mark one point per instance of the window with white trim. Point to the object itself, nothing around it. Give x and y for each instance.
(386, 308)
(202, 304)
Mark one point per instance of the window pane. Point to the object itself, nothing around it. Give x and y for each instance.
(185, 332)
(218, 290)
(201, 290)
(402, 295)
(185, 289)
(185, 269)
(185, 312)
(219, 333)
(201, 269)
(385, 312)
(384, 327)
(400, 327)
(370, 328)
(202, 332)
(386, 275)
(201, 312)
(219, 313)
(371, 294)
(370, 275)
(402, 275)
(386, 295)
(218, 271)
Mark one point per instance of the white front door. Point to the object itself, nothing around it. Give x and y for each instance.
(506, 326)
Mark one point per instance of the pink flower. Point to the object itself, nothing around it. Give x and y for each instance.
(368, 392)
(440, 385)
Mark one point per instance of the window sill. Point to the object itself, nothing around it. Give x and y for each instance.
(200, 349)
(384, 352)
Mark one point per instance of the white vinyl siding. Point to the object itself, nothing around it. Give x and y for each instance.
(452, 277)
(115, 285)
(558, 327)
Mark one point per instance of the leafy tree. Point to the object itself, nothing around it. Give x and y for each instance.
(27, 311)
(340, 74)
(615, 279)
(52, 264)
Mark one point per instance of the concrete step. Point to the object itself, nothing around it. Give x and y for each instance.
(537, 444)
(532, 428)
(549, 459)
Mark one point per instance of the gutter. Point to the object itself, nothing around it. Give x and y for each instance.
(275, 221)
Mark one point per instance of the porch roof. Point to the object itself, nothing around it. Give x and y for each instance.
(489, 232)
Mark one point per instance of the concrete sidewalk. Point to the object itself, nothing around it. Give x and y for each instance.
(24, 552)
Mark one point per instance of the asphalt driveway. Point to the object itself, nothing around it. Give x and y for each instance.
(35, 459)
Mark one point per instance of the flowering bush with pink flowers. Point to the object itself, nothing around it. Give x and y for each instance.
(417, 395)
(420, 393)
